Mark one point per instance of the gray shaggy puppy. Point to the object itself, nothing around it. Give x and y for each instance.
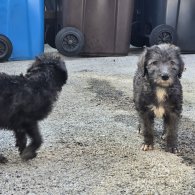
(158, 93)
(27, 99)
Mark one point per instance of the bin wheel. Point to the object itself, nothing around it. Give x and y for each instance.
(69, 41)
(136, 39)
(5, 48)
(163, 34)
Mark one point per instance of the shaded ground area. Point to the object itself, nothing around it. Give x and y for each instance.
(107, 94)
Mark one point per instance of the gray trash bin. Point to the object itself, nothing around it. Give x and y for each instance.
(94, 27)
(159, 21)
(186, 26)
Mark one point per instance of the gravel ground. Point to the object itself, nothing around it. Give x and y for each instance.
(91, 142)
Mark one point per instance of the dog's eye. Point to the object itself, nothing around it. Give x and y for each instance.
(172, 63)
(154, 63)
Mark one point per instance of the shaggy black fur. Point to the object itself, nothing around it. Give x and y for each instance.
(29, 98)
(158, 92)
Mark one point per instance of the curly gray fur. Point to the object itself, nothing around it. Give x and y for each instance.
(158, 92)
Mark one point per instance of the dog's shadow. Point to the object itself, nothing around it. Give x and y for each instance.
(186, 140)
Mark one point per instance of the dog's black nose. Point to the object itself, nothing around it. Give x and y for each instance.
(165, 77)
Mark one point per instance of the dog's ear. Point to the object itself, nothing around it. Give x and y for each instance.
(181, 63)
(181, 68)
(38, 58)
(142, 62)
(61, 65)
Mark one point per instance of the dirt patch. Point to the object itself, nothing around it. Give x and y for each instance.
(107, 94)
(187, 141)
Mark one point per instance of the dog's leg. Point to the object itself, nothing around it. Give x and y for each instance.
(164, 133)
(148, 130)
(140, 126)
(171, 121)
(33, 132)
(21, 140)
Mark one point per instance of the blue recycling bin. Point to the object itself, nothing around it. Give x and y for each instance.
(21, 29)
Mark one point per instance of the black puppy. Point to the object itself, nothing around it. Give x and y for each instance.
(29, 98)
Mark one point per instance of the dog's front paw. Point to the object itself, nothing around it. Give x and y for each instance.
(173, 150)
(3, 160)
(146, 147)
(20, 149)
(27, 155)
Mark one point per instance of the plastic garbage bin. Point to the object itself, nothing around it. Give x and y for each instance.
(159, 21)
(21, 29)
(94, 27)
(50, 22)
(186, 26)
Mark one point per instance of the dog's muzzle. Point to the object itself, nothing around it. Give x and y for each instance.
(164, 81)
(165, 77)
